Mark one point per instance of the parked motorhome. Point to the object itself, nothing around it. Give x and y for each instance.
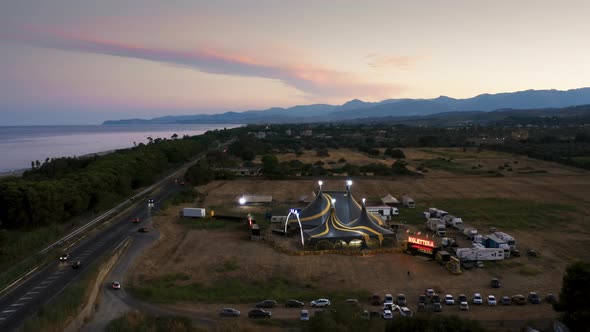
(480, 254)
(408, 202)
(384, 212)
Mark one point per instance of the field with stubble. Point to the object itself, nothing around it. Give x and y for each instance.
(201, 267)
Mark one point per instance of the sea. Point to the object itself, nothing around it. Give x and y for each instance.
(19, 145)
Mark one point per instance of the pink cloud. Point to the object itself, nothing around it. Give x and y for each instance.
(400, 62)
(312, 79)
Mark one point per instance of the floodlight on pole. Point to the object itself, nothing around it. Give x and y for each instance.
(333, 201)
(364, 200)
(320, 183)
(242, 200)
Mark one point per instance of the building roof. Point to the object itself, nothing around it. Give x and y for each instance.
(369, 224)
(333, 229)
(389, 199)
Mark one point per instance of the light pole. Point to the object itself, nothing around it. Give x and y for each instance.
(320, 183)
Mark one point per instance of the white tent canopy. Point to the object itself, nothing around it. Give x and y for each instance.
(389, 199)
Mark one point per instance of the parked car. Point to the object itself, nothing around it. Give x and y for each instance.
(304, 316)
(464, 306)
(387, 314)
(480, 264)
(375, 299)
(143, 230)
(376, 314)
(320, 303)
(534, 298)
(449, 300)
(136, 220)
(267, 304)
(401, 299)
(294, 304)
(435, 298)
(421, 307)
(422, 299)
(437, 307)
(477, 299)
(406, 312)
(76, 265)
(229, 312)
(491, 300)
(550, 298)
(515, 253)
(506, 300)
(519, 299)
(495, 283)
(429, 292)
(462, 298)
(259, 313)
(388, 299)
(389, 306)
(64, 257)
(116, 285)
(365, 315)
(352, 301)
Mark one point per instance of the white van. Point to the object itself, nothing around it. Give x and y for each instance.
(304, 315)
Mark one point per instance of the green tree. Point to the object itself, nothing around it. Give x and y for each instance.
(400, 167)
(574, 295)
(270, 164)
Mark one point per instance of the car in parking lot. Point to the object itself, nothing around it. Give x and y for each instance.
(506, 300)
(477, 299)
(462, 298)
(304, 315)
(375, 299)
(401, 299)
(429, 292)
(449, 300)
(388, 299)
(422, 299)
(387, 314)
(143, 230)
(495, 283)
(229, 312)
(136, 220)
(267, 304)
(352, 301)
(519, 299)
(364, 315)
(116, 285)
(534, 298)
(435, 298)
(294, 304)
(491, 300)
(464, 306)
(320, 303)
(550, 298)
(406, 312)
(437, 307)
(259, 313)
(421, 307)
(64, 257)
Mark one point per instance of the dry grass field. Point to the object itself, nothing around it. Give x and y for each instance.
(207, 256)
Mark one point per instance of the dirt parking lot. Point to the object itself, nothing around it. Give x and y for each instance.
(197, 253)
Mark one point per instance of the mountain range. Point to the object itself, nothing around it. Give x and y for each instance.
(358, 109)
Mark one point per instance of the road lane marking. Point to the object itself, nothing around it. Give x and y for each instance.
(39, 287)
(8, 311)
(16, 304)
(31, 293)
(52, 277)
(45, 283)
(25, 298)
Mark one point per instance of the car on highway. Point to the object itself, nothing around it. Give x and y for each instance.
(304, 316)
(401, 299)
(136, 220)
(464, 306)
(267, 304)
(64, 257)
(76, 264)
(294, 304)
(116, 285)
(320, 303)
(477, 299)
(387, 314)
(534, 298)
(519, 299)
(150, 201)
(491, 300)
(506, 300)
(449, 300)
(143, 230)
(229, 312)
(259, 313)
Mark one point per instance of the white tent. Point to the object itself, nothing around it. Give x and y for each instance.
(389, 200)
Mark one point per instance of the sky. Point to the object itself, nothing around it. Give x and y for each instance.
(83, 62)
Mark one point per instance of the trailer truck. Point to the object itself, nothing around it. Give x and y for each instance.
(479, 254)
(509, 239)
(437, 226)
(492, 241)
(408, 202)
(193, 212)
